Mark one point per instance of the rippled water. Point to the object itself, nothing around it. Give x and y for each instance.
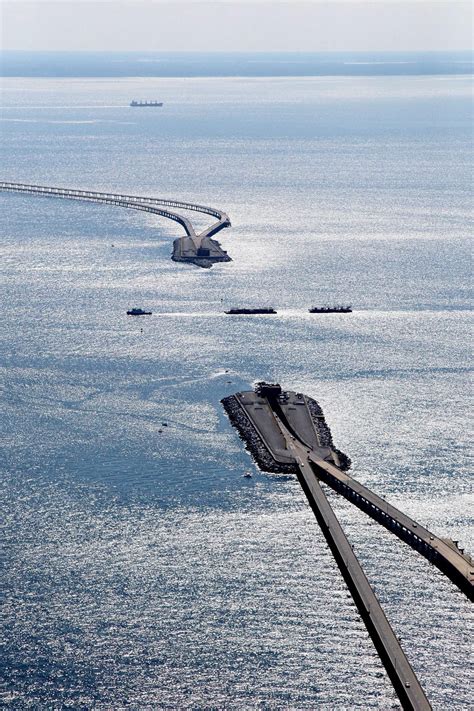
(142, 570)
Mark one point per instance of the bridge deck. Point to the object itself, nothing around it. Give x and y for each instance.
(147, 204)
(277, 420)
(404, 679)
(457, 566)
(287, 447)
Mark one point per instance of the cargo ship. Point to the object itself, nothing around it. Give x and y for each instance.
(146, 103)
(330, 310)
(268, 310)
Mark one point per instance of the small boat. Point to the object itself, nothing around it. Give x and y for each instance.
(268, 310)
(330, 310)
(138, 312)
(247, 475)
(142, 104)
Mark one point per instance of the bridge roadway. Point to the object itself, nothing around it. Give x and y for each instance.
(402, 676)
(445, 555)
(457, 566)
(134, 202)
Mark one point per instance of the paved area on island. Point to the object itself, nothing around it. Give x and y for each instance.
(193, 248)
(261, 415)
(295, 408)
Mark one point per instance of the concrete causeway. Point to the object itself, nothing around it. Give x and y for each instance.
(194, 248)
(402, 676)
(292, 409)
(286, 432)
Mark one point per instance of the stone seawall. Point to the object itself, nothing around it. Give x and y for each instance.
(324, 433)
(253, 441)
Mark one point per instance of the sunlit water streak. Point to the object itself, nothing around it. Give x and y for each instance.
(143, 570)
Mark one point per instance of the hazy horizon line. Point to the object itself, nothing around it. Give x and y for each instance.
(469, 50)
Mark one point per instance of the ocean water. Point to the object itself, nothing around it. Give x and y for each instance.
(142, 570)
(232, 64)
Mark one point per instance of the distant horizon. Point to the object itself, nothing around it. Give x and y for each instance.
(468, 50)
(148, 63)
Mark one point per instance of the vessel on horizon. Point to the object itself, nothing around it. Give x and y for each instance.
(146, 103)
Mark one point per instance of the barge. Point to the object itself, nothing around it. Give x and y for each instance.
(330, 310)
(267, 310)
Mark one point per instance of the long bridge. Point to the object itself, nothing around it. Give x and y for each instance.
(286, 431)
(399, 669)
(193, 247)
(455, 564)
(294, 410)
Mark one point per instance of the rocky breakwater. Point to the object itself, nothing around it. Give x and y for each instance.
(253, 442)
(324, 433)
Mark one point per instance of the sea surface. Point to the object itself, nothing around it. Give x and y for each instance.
(141, 569)
(228, 64)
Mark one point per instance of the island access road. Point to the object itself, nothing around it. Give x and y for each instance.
(445, 555)
(402, 676)
(457, 566)
(134, 202)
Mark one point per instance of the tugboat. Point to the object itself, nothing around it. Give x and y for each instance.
(146, 103)
(268, 310)
(330, 310)
(138, 312)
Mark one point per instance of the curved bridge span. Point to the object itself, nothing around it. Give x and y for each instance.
(190, 251)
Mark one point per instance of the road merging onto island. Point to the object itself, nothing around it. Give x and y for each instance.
(289, 428)
(402, 676)
(134, 202)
